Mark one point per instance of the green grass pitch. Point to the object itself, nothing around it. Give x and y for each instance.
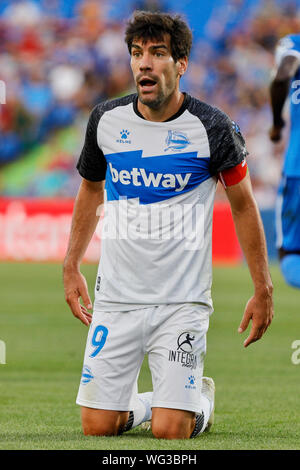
(257, 388)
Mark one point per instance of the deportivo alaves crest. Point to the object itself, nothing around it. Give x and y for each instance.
(176, 141)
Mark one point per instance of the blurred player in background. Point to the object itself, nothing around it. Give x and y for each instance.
(287, 82)
(159, 155)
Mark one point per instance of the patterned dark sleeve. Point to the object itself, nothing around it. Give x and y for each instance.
(92, 164)
(227, 144)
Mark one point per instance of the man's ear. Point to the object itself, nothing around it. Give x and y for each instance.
(182, 64)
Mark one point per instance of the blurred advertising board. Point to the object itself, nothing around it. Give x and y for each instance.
(38, 230)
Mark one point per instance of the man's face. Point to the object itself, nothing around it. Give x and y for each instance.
(155, 73)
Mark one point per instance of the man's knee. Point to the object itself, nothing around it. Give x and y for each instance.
(290, 268)
(102, 422)
(172, 424)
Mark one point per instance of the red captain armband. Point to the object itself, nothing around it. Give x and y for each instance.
(234, 175)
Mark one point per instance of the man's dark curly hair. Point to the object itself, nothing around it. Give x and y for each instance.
(147, 26)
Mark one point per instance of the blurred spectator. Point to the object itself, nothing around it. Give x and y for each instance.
(22, 13)
(60, 58)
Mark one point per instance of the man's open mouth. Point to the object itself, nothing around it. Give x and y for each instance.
(147, 84)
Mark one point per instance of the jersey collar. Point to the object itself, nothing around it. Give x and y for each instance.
(181, 110)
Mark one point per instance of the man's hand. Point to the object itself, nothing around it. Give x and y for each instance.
(275, 132)
(84, 222)
(75, 287)
(250, 231)
(260, 309)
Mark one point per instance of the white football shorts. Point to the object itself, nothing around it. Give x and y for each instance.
(173, 336)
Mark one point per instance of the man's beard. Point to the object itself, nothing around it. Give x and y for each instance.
(155, 103)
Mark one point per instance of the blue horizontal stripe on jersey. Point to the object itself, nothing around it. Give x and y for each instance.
(155, 178)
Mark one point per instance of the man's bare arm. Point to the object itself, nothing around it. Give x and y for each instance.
(84, 222)
(279, 89)
(250, 232)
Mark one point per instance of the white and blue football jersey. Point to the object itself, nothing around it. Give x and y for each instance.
(290, 46)
(160, 185)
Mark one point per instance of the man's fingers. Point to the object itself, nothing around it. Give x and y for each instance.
(255, 334)
(244, 323)
(261, 317)
(83, 292)
(84, 310)
(87, 314)
(73, 294)
(76, 309)
(86, 300)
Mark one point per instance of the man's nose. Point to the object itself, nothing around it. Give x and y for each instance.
(146, 62)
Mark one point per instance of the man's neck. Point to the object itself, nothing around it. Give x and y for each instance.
(166, 111)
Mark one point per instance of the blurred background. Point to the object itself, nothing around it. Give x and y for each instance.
(60, 58)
